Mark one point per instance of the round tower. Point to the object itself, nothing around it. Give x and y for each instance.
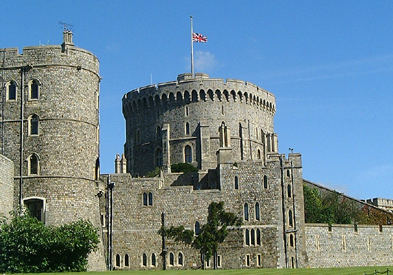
(49, 128)
(189, 119)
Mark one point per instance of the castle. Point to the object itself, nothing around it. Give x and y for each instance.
(50, 117)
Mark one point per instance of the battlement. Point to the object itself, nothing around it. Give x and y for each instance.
(201, 88)
(49, 55)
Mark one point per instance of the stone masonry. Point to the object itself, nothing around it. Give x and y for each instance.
(6, 186)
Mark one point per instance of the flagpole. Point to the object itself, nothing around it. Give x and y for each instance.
(192, 51)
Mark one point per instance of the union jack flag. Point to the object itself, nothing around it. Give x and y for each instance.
(197, 37)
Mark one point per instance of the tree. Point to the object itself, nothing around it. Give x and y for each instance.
(27, 245)
(211, 235)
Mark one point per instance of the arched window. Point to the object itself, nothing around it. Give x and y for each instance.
(258, 236)
(187, 128)
(158, 157)
(291, 242)
(35, 206)
(188, 154)
(247, 236)
(144, 259)
(265, 181)
(126, 260)
(289, 190)
(11, 91)
(33, 164)
(252, 237)
(117, 262)
(33, 125)
(245, 211)
(34, 89)
(153, 259)
(197, 228)
(171, 259)
(257, 214)
(236, 182)
(150, 198)
(290, 219)
(180, 259)
(145, 199)
(259, 154)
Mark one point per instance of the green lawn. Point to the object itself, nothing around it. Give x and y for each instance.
(340, 271)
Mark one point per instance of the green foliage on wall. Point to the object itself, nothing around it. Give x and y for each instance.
(211, 234)
(332, 207)
(183, 168)
(27, 245)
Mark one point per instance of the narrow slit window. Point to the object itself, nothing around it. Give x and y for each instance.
(245, 210)
(257, 213)
(144, 259)
(180, 259)
(145, 199)
(188, 154)
(153, 259)
(34, 90)
(236, 182)
(11, 91)
(247, 236)
(150, 199)
(33, 164)
(33, 129)
(265, 181)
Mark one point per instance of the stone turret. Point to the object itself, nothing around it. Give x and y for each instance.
(192, 110)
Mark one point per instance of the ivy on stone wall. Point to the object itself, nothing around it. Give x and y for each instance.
(333, 208)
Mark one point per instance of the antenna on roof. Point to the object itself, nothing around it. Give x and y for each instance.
(66, 26)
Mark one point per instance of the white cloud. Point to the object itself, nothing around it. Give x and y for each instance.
(204, 61)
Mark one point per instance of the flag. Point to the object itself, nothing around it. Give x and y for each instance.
(197, 37)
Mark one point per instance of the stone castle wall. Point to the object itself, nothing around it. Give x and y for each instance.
(6, 186)
(346, 245)
(185, 201)
(203, 104)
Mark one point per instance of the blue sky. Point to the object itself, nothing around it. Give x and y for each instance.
(329, 63)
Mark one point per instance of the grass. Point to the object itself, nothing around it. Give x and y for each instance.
(264, 271)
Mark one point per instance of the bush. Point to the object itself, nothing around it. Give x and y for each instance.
(183, 168)
(27, 245)
(153, 173)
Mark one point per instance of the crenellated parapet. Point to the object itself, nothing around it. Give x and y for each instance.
(201, 88)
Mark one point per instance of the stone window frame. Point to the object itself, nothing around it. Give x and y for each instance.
(180, 255)
(208, 263)
(153, 263)
(171, 254)
(126, 260)
(247, 237)
(289, 190)
(7, 91)
(219, 261)
(290, 218)
(30, 84)
(191, 153)
(259, 259)
(259, 154)
(265, 182)
(43, 210)
(236, 183)
(291, 240)
(257, 212)
(144, 260)
(247, 260)
(147, 198)
(197, 229)
(29, 120)
(246, 212)
(187, 128)
(118, 260)
(29, 164)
